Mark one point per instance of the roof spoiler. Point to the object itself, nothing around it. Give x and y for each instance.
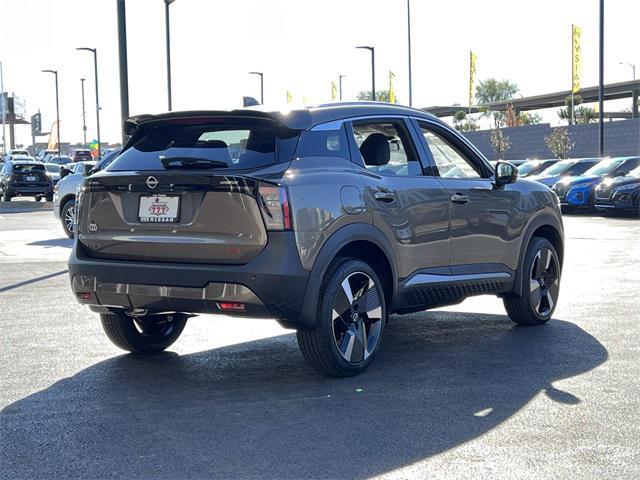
(295, 120)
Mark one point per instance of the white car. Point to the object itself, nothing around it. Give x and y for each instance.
(65, 191)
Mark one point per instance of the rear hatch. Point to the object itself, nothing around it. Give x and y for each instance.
(29, 175)
(193, 190)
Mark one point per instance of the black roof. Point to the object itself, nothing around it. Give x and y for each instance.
(299, 118)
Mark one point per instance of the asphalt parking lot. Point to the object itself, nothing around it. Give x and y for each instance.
(459, 392)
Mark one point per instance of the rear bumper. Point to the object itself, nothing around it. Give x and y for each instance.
(271, 285)
(17, 190)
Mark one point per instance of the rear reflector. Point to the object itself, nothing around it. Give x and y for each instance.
(84, 295)
(231, 307)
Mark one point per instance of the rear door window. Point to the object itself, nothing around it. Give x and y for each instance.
(227, 143)
(385, 147)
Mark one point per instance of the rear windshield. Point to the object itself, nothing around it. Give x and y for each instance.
(228, 143)
(28, 168)
(52, 168)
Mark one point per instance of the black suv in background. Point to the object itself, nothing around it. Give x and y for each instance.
(327, 219)
(25, 179)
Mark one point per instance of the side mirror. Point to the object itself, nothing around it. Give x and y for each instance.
(505, 173)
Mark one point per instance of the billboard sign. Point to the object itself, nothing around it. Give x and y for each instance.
(36, 125)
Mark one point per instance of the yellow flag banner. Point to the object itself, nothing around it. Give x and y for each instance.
(472, 77)
(576, 58)
(334, 91)
(392, 90)
(53, 137)
(289, 97)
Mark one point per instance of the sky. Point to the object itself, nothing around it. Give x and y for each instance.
(301, 46)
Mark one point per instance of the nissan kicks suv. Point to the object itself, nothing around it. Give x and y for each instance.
(328, 219)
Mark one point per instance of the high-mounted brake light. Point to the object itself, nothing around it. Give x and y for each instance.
(274, 206)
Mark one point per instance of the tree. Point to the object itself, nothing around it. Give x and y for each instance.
(381, 96)
(581, 114)
(462, 123)
(499, 141)
(492, 90)
(529, 118)
(559, 142)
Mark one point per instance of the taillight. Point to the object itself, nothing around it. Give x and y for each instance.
(274, 206)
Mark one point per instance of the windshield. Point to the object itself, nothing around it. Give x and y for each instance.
(604, 167)
(528, 167)
(559, 168)
(52, 168)
(232, 143)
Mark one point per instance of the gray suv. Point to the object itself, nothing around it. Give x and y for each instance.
(327, 219)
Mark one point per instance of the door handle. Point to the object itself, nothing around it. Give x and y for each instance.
(459, 198)
(384, 196)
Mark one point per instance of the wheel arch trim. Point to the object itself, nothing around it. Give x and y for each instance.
(543, 219)
(354, 232)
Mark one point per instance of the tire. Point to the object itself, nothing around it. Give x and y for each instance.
(38, 198)
(541, 285)
(67, 215)
(143, 335)
(6, 196)
(336, 346)
(49, 197)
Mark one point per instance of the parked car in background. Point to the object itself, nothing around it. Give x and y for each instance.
(327, 219)
(534, 167)
(42, 154)
(53, 171)
(65, 193)
(25, 178)
(58, 160)
(564, 169)
(578, 191)
(81, 155)
(620, 193)
(16, 153)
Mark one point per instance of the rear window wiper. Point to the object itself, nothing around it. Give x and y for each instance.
(191, 162)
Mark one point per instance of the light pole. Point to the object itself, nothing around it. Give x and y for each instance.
(633, 67)
(4, 107)
(261, 85)
(124, 68)
(55, 73)
(373, 70)
(84, 116)
(168, 36)
(95, 71)
(409, 50)
(340, 77)
(601, 84)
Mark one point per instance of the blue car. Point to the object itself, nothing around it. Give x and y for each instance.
(620, 193)
(564, 169)
(578, 192)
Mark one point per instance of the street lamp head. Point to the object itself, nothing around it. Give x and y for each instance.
(366, 47)
(87, 49)
(169, 2)
(255, 73)
(55, 72)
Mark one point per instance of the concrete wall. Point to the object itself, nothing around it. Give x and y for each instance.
(621, 138)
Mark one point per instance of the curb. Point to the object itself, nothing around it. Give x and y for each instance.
(24, 206)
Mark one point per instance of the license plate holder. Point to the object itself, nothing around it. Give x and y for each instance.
(159, 208)
(31, 178)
